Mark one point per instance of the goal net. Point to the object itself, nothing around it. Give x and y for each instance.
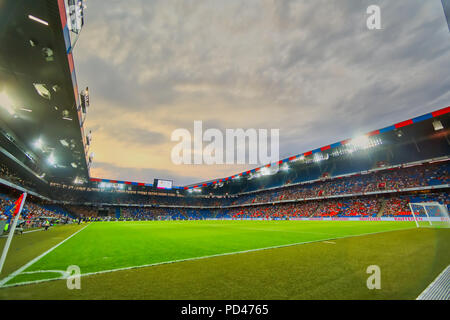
(430, 214)
(164, 217)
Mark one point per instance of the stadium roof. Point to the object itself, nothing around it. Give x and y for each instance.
(402, 124)
(310, 153)
(40, 116)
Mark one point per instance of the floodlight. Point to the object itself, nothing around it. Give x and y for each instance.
(64, 142)
(38, 144)
(51, 159)
(437, 125)
(78, 180)
(320, 157)
(360, 142)
(6, 103)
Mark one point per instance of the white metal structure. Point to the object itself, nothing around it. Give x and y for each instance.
(164, 218)
(11, 232)
(436, 214)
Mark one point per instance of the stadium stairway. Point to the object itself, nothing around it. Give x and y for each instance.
(318, 209)
(382, 208)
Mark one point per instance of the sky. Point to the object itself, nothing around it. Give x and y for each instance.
(310, 68)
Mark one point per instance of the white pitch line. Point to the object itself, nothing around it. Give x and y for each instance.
(24, 232)
(330, 242)
(199, 258)
(15, 273)
(64, 273)
(428, 293)
(32, 231)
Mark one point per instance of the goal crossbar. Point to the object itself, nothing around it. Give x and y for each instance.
(426, 206)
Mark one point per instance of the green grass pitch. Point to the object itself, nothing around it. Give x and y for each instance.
(112, 246)
(116, 245)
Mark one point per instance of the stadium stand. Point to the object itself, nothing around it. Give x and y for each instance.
(34, 212)
(384, 193)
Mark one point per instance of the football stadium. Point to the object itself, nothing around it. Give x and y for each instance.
(320, 224)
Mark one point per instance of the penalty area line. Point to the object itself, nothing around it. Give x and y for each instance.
(18, 271)
(200, 258)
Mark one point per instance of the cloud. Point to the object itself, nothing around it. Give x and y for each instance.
(146, 175)
(136, 136)
(310, 68)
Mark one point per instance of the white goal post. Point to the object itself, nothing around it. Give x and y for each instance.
(436, 214)
(164, 218)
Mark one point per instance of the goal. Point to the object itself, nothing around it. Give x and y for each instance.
(430, 214)
(164, 218)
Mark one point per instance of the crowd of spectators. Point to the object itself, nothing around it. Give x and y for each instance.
(11, 176)
(362, 206)
(391, 179)
(383, 180)
(350, 196)
(33, 214)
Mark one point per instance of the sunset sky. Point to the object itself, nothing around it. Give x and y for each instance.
(309, 68)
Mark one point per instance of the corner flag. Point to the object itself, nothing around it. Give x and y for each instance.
(18, 206)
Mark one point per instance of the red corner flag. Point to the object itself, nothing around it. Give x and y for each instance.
(17, 205)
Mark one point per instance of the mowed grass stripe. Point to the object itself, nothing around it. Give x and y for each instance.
(107, 246)
(409, 260)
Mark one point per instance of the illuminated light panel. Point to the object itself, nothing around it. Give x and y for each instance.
(38, 144)
(42, 90)
(51, 159)
(6, 103)
(320, 157)
(38, 20)
(360, 141)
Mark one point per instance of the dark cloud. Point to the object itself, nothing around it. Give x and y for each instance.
(137, 135)
(310, 68)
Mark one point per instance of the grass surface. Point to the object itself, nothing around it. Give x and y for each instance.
(30, 245)
(114, 245)
(409, 260)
